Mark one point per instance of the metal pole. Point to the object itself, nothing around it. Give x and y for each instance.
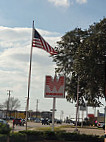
(77, 103)
(36, 108)
(27, 113)
(53, 113)
(29, 79)
(86, 110)
(82, 118)
(8, 105)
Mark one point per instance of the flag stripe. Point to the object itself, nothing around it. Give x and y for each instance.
(44, 45)
(39, 42)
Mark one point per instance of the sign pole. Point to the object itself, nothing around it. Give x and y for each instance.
(53, 113)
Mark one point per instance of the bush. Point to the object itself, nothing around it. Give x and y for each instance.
(68, 136)
(3, 138)
(49, 135)
(80, 137)
(60, 135)
(33, 135)
(17, 137)
(4, 129)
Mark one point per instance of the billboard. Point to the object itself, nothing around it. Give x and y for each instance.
(54, 87)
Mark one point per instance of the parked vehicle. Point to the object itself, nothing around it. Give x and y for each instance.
(4, 122)
(24, 121)
(45, 121)
(19, 121)
(101, 125)
(78, 123)
(59, 121)
(37, 120)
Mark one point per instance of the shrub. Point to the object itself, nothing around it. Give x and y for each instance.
(33, 135)
(50, 135)
(17, 137)
(3, 138)
(4, 129)
(68, 136)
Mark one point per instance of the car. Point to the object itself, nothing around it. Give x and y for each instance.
(37, 120)
(100, 124)
(45, 121)
(78, 123)
(19, 121)
(72, 124)
(59, 121)
(24, 121)
(4, 122)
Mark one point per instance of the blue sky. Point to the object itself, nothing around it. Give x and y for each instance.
(53, 18)
(49, 15)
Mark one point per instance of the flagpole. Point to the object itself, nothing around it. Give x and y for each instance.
(29, 78)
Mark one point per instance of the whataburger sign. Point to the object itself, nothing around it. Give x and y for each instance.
(54, 87)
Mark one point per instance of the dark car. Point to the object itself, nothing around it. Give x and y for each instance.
(59, 121)
(45, 121)
(18, 121)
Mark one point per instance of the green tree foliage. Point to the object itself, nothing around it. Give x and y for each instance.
(82, 53)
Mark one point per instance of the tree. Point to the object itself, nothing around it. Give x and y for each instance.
(82, 53)
(91, 61)
(12, 103)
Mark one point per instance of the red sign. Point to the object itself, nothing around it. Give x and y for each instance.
(55, 87)
(90, 115)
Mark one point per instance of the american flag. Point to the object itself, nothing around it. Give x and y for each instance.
(39, 42)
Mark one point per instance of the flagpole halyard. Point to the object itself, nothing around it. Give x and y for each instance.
(29, 78)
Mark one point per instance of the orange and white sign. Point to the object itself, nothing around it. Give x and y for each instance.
(55, 87)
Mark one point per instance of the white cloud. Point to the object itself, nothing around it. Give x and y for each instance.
(81, 1)
(64, 3)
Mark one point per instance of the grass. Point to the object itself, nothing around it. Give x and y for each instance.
(60, 128)
(50, 128)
